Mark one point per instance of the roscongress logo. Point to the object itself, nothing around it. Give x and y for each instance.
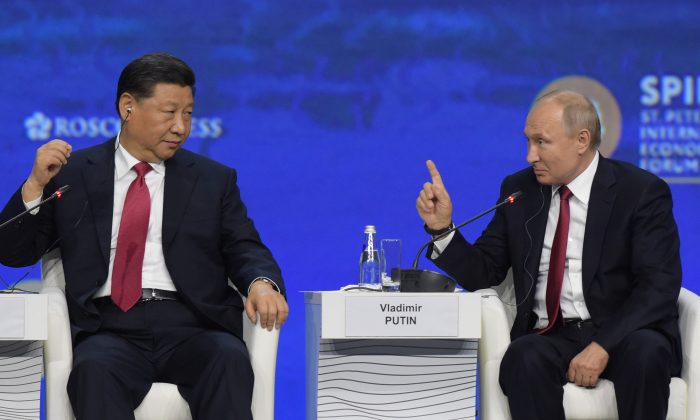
(38, 126)
(41, 127)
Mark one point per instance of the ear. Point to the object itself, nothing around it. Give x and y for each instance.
(583, 141)
(126, 105)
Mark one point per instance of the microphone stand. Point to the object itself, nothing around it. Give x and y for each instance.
(419, 280)
(55, 196)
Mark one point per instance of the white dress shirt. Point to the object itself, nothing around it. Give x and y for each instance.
(155, 274)
(572, 303)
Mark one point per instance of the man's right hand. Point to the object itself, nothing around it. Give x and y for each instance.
(433, 202)
(48, 162)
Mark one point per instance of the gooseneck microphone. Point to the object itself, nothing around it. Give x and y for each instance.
(55, 196)
(509, 200)
(417, 280)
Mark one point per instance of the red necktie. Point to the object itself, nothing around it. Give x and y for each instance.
(131, 242)
(557, 259)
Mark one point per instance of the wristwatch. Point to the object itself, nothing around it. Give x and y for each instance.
(438, 232)
(268, 281)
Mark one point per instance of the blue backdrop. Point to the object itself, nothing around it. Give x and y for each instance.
(329, 109)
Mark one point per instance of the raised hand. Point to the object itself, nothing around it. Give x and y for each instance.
(433, 202)
(49, 159)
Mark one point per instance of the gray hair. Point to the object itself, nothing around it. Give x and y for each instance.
(578, 113)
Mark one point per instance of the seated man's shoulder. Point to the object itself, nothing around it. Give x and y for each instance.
(524, 178)
(635, 177)
(203, 161)
(523, 174)
(94, 152)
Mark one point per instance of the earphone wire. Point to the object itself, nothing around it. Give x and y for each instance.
(527, 256)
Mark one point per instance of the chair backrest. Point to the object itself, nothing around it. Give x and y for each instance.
(689, 325)
(506, 293)
(52, 270)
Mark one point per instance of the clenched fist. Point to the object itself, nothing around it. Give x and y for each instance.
(49, 160)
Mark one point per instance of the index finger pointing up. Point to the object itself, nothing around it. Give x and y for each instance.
(434, 174)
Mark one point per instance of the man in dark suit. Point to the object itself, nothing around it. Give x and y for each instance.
(150, 235)
(594, 251)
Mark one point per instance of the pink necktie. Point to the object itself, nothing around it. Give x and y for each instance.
(131, 242)
(557, 259)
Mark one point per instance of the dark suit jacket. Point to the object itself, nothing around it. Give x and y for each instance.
(631, 257)
(207, 235)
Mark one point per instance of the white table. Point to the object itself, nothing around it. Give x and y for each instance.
(391, 355)
(23, 327)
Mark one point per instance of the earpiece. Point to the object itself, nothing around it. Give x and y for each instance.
(128, 114)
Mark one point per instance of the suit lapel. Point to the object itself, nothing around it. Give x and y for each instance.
(180, 178)
(600, 206)
(98, 178)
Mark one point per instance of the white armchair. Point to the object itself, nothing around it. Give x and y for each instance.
(163, 400)
(582, 403)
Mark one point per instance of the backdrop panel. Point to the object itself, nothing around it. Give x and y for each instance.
(329, 109)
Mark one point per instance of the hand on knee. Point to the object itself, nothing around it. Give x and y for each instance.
(587, 366)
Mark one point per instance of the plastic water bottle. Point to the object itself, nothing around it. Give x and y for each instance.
(369, 260)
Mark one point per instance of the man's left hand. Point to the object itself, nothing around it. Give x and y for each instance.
(585, 369)
(269, 303)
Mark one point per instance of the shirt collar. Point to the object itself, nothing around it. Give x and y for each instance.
(124, 161)
(581, 185)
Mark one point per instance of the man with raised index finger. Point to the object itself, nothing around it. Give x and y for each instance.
(594, 251)
(150, 235)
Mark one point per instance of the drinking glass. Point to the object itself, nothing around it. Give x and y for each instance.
(390, 263)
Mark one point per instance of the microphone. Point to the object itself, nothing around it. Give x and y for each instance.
(417, 280)
(55, 196)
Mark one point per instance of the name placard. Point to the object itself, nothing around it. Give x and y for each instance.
(401, 316)
(12, 320)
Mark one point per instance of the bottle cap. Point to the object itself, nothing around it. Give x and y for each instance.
(370, 229)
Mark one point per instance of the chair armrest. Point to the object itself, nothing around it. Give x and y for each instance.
(58, 354)
(262, 347)
(58, 347)
(495, 327)
(689, 325)
(495, 339)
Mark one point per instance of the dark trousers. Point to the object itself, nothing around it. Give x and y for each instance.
(159, 341)
(534, 370)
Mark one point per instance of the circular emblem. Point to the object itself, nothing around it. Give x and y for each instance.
(604, 102)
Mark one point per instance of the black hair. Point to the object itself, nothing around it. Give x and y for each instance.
(141, 75)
